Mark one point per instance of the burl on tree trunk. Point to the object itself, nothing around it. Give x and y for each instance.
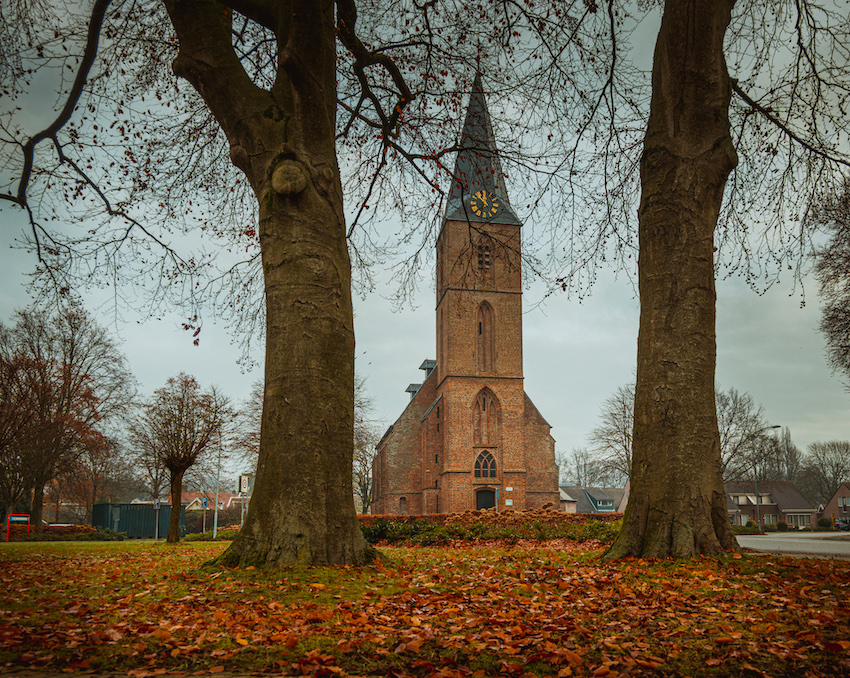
(677, 506)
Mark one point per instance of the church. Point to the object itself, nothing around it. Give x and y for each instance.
(470, 437)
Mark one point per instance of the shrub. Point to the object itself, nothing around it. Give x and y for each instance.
(749, 528)
(221, 534)
(752, 523)
(825, 523)
(74, 533)
(102, 534)
(426, 531)
(770, 527)
(782, 526)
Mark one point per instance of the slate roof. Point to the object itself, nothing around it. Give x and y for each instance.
(783, 492)
(477, 165)
(583, 501)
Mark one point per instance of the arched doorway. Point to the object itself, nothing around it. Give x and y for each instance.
(485, 499)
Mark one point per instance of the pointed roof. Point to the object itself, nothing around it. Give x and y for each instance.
(477, 166)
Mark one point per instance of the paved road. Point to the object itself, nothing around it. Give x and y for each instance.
(814, 543)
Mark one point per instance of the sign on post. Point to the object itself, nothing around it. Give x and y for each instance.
(17, 518)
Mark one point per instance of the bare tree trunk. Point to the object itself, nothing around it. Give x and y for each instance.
(302, 508)
(677, 506)
(37, 503)
(176, 498)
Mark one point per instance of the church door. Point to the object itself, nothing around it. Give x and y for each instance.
(485, 499)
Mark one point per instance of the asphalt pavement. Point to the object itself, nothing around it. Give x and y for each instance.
(821, 544)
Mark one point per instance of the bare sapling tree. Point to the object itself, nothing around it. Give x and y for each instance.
(179, 426)
(581, 467)
(367, 433)
(247, 425)
(741, 424)
(825, 466)
(611, 439)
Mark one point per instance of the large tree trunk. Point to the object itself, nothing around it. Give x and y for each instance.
(677, 506)
(302, 507)
(176, 499)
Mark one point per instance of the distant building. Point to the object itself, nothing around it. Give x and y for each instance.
(838, 507)
(778, 501)
(470, 437)
(578, 499)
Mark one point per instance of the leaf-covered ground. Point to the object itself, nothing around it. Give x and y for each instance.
(525, 610)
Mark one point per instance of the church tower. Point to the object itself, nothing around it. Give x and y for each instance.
(470, 437)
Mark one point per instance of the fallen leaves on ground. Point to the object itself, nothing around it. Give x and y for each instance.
(522, 610)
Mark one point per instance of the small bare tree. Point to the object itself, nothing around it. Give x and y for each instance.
(367, 433)
(741, 423)
(611, 440)
(178, 427)
(580, 467)
(825, 467)
(245, 441)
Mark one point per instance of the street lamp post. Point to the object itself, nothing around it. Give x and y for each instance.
(217, 485)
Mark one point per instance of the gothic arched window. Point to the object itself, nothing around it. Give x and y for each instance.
(486, 420)
(485, 466)
(486, 338)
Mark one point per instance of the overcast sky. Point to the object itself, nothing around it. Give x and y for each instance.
(575, 354)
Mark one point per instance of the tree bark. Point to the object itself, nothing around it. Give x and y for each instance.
(176, 499)
(677, 506)
(302, 507)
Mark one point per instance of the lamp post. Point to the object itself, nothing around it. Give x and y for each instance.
(756, 475)
(217, 485)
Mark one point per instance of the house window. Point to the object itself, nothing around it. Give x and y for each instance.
(436, 458)
(799, 520)
(485, 466)
(770, 519)
(402, 505)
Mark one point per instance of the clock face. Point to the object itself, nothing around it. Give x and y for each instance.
(484, 204)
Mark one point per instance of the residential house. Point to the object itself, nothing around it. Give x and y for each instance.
(194, 501)
(778, 501)
(577, 499)
(838, 508)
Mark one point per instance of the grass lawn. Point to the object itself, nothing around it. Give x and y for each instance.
(549, 609)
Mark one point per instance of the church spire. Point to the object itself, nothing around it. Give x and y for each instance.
(478, 171)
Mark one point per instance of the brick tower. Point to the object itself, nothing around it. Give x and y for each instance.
(470, 437)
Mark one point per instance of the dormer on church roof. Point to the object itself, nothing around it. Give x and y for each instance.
(478, 191)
